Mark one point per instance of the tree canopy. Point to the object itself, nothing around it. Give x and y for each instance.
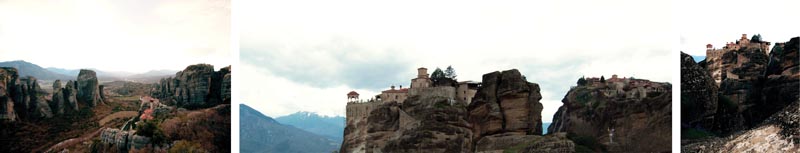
(438, 74)
(450, 73)
(582, 81)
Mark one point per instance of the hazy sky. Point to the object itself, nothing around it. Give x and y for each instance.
(306, 55)
(717, 22)
(133, 36)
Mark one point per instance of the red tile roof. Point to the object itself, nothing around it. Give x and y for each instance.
(352, 93)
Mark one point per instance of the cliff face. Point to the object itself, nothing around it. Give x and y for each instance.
(763, 105)
(505, 115)
(197, 86)
(698, 94)
(634, 118)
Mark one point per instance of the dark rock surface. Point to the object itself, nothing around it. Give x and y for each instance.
(197, 86)
(70, 92)
(698, 94)
(8, 85)
(506, 116)
(638, 123)
(88, 88)
(755, 113)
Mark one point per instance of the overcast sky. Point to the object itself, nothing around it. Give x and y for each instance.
(717, 22)
(306, 55)
(133, 36)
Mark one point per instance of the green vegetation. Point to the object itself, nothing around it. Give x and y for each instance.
(151, 129)
(582, 81)
(184, 146)
(691, 133)
(585, 143)
(450, 73)
(756, 38)
(602, 79)
(438, 74)
(582, 95)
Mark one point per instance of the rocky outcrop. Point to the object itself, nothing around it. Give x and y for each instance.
(33, 101)
(8, 84)
(507, 117)
(70, 92)
(755, 113)
(618, 121)
(58, 98)
(197, 86)
(557, 142)
(506, 103)
(226, 89)
(88, 88)
(699, 94)
(124, 140)
(776, 134)
(783, 59)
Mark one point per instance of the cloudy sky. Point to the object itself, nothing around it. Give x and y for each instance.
(724, 21)
(301, 57)
(133, 36)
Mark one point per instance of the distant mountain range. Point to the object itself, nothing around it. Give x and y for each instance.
(332, 127)
(52, 73)
(260, 133)
(29, 69)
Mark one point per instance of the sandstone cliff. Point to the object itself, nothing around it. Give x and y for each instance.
(88, 88)
(754, 113)
(506, 115)
(197, 86)
(633, 117)
(698, 94)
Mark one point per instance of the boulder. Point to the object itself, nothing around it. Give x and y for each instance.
(88, 88)
(698, 94)
(506, 103)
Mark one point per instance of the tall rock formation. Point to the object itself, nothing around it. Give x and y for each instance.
(8, 84)
(58, 98)
(699, 94)
(88, 88)
(505, 116)
(33, 101)
(70, 92)
(633, 115)
(760, 114)
(197, 86)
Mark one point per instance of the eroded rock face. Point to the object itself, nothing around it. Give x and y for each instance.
(33, 99)
(70, 92)
(197, 86)
(57, 102)
(699, 92)
(88, 88)
(776, 134)
(124, 140)
(431, 123)
(506, 103)
(8, 84)
(636, 123)
(758, 114)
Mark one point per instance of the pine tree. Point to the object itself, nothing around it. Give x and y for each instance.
(450, 72)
